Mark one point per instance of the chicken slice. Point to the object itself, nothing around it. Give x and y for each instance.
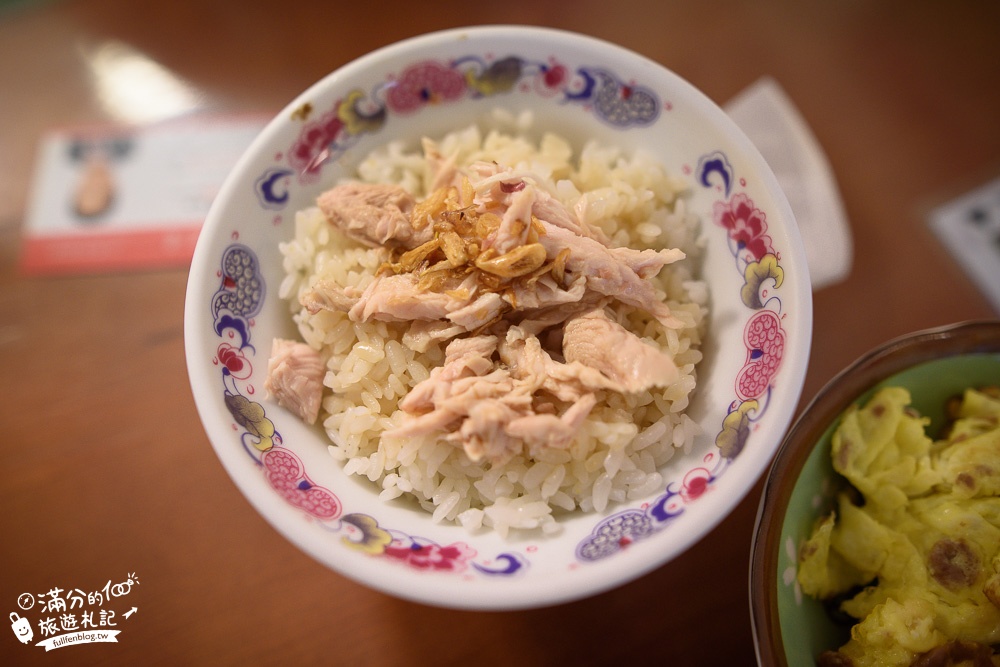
(295, 378)
(486, 309)
(473, 409)
(374, 214)
(463, 357)
(598, 342)
(539, 431)
(537, 320)
(328, 295)
(400, 298)
(545, 293)
(424, 333)
(534, 369)
(504, 187)
(516, 220)
(483, 433)
(646, 263)
(553, 211)
(607, 273)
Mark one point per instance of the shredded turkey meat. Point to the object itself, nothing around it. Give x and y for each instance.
(375, 215)
(596, 341)
(494, 394)
(526, 296)
(295, 378)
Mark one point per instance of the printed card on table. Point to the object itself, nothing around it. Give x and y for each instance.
(969, 227)
(110, 198)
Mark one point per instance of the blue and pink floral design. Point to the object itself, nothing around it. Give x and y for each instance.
(327, 133)
(324, 134)
(756, 260)
(239, 298)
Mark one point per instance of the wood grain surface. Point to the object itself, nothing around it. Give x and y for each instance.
(106, 469)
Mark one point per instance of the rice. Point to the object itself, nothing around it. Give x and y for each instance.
(370, 368)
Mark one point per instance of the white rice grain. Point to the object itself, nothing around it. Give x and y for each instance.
(550, 485)
(601, 492)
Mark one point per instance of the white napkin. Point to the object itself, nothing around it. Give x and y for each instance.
(767, 116)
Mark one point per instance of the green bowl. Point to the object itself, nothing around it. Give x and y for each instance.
(789, 627)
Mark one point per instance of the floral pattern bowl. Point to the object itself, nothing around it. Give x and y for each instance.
(934, 365)
(755, 353)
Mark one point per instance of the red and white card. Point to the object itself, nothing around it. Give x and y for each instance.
(110, 198)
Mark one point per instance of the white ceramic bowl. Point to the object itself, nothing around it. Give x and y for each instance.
(749, 382)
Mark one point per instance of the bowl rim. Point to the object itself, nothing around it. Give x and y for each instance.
(843, 389)
(794, 376)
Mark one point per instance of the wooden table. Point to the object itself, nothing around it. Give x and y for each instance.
(107, 471)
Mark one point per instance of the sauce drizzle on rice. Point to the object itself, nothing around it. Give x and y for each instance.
(506, 334)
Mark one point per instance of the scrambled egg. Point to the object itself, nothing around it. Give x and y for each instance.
(914, 547)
